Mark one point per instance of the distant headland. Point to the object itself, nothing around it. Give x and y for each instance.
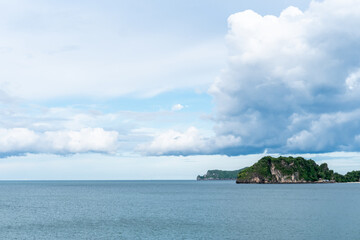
(219, 175)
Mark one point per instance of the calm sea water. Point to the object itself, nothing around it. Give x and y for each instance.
(177, 210)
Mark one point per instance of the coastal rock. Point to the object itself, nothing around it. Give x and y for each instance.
(287, 170)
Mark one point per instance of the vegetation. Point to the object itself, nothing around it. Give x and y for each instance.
(289, 169)
(353, 176)
(220, 175)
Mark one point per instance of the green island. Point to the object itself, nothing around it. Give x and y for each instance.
(219, 175)
(292, 170)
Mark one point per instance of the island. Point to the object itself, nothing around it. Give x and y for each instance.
(219, 175)
(292, 170)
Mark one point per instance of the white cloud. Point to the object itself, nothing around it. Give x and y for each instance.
(174, 142)
(292, 81)
(189, 142)
(177, 107)
(352, 81)
(17, 140)
(25, 128)
(21, 141)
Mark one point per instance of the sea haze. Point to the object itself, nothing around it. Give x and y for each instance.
(177, 210)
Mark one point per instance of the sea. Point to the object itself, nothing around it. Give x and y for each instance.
(178, 210)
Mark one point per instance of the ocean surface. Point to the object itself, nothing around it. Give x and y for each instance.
(177, 210)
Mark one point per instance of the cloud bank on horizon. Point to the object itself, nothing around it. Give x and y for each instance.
(17, 141)
(292, 85)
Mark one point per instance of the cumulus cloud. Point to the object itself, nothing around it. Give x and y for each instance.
(292, 81)
(188, 142)
(352, 81)
(17, 141)
(78, 129)
(177, 107)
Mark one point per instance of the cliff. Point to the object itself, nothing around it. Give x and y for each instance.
(219, 175)
(292, 170)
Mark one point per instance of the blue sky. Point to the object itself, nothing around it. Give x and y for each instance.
(101, 89)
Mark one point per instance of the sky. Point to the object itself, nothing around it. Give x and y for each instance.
(169, 89)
